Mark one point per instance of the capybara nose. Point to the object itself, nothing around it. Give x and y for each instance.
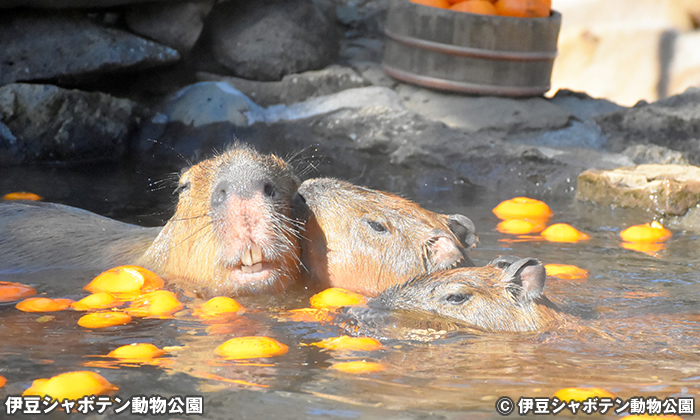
(220, 194)
(226, 189)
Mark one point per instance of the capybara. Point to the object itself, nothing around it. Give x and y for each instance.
(504, 296)
(231, 233)
(366, 240)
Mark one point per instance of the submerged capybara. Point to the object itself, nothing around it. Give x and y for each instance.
(366, 240)
(231, 233)
(504, 296)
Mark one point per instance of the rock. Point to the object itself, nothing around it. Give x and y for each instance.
(174, 24)
(267, 39)
(367, 97)
(9, 150)
(293, 88)
(199, 115)
(366, 17)
(209, 114)
(66, 4)
(61, 45)
(474, 113)
(668, 190)
(576, 135)
(582, 106)
(673, 123)
(365, 132)
(54, 124)
(651, 153)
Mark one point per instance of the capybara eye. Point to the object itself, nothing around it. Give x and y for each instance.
(458, 298)
(181, 188)
(377, 227)
(270, 190)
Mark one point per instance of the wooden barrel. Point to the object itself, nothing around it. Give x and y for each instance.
(470, 53)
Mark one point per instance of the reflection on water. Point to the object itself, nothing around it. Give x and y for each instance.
(638, 335)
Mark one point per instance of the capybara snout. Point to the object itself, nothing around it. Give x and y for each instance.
(366, 240)
(232, 232)
(505, 295)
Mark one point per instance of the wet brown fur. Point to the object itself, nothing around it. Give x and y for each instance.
(191, 249)
(366, 240)
(497, 299)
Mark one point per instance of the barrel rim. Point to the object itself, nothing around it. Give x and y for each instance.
(464, 87)
(462, 51)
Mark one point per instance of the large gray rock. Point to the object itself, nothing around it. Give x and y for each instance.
(673, 123)
(367, 132)
(476, 113)
(68, 45)
(267, 39)
(48, 123)
(174, 24)
(293, 88)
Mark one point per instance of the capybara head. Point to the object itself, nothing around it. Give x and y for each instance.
(232, 233)
(366, 240)
(505, 295)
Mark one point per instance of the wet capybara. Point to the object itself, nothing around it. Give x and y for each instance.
(366, 240)
(231, 233)
(504, 296)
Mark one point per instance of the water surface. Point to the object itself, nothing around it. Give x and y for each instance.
(639, 313)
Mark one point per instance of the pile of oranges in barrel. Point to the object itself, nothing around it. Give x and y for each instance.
(512, 8)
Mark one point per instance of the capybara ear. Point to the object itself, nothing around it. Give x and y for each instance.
(464, 229)
(503, 261)
(525, 278)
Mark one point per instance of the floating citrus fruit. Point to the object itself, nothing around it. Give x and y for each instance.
(41, 304)
(308, 315)
(335, 297)
(566, 271)
(582, 394)
(216, 307)
(3, 381)
(125, 279)
(561, 232)
(650, 249)
(251, 347)
(22, 195)
(71, 385)
(345, 342)
(100, 300)
(104, 319)
(520, 226)
(647, 233)
(158, 303)
(359, 366)
(137, 351)
(522, 208)
(10, 291)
